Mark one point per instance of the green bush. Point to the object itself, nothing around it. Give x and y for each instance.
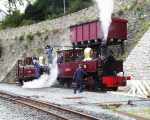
(12, 20)
(77, 5)
(26, 22)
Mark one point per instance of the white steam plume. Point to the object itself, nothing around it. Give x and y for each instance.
(45, 80)
(105, 12)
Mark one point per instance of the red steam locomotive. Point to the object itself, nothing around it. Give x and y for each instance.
(102, 73)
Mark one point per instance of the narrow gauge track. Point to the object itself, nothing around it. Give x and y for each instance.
(59, 112)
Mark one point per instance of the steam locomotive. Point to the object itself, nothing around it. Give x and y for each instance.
(102, 73)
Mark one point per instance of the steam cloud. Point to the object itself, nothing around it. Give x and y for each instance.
(105, 12)
(45, 80)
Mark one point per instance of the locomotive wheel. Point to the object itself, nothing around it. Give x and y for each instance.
(114, 88)
(65, 82)
(61, 82)
(69, 83)
(20, 82)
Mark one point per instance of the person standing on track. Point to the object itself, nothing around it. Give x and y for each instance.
(78, 77)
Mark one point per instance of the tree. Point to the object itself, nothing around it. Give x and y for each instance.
(40, 10)
(43, 9)
(76, 5)
(12, 20)
(13, 5)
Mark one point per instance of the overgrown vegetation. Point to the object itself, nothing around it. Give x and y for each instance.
(21, 38)
(30, 37)
(140, 16)
(12, 20)
(42, 10)
(39, 51)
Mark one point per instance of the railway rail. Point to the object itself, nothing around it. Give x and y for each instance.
(59, 112)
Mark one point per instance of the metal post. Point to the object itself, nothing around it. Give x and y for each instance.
(64, 1)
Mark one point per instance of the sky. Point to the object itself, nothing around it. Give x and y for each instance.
(3, 6)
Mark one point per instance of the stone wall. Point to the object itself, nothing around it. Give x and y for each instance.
(137, 64)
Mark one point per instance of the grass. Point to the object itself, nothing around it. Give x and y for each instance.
(145, 112)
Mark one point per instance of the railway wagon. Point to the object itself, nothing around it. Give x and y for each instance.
(100, 74)
(26, 71)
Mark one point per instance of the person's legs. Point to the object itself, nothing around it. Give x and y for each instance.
(50, 59)
(81, 87)
(96, 82)
(20, 82)
(75, 88)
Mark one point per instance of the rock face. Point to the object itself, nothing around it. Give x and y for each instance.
(137, 63)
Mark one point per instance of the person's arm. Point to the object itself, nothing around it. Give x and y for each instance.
(84, 73)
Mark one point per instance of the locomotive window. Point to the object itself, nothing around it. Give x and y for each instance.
(70, 55)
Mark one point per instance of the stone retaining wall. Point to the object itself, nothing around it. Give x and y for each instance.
(137, 64)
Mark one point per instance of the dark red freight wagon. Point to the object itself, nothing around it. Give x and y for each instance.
(99, 75)
(87, 32)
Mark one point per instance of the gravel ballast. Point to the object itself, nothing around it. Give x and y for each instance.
(11, 111)
(88, 102)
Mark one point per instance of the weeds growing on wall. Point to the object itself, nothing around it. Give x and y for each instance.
(30, 38)
(38, 33)
(21, 38)
(46, 37)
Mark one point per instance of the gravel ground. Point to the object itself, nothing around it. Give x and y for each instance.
(86, 101)
(11, 111)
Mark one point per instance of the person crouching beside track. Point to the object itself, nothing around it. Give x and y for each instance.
(78, 77)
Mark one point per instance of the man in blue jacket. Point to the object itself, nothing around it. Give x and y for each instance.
(37, 67)
(78, 77)
(49, 51)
